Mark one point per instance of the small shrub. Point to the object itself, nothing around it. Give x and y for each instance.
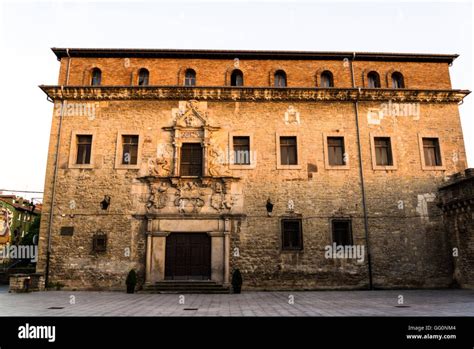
(131, 281)
(236, 281)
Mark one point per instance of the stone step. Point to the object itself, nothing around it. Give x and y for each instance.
(184, 287)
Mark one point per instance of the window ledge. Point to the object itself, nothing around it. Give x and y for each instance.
(289, 167)
(337, 167)
(127, 167)
(242, 167)
(434, 168)
(385, 168)
(81, 166)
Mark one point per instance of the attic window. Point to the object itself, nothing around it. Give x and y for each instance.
(96, 77)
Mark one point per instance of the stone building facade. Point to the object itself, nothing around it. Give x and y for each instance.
(189, 164)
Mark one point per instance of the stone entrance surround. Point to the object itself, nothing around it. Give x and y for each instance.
(159, 229)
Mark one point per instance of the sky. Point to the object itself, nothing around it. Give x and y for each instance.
(29, 29)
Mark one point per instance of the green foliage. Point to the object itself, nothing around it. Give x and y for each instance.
(34, 230)
(236, 280)
(131, 278)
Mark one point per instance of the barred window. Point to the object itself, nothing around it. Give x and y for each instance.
(191, 159)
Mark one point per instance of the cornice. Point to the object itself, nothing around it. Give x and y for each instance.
(251, 54)
(220, 93)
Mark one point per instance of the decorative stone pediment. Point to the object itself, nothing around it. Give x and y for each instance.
(191, 125)
(190, 114)
(167, 192)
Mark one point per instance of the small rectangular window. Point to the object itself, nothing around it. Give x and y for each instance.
(241, 150)
(84, 148)
(129, 150)
(342, 232)
(431, 152)
(288, 151)
(99, 243)
(336, 151)
(292, 235)
(191, 159)
(66, 231)
(383, 151)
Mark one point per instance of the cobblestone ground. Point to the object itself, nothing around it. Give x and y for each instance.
(318, 303)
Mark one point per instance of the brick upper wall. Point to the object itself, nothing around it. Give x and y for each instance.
(216, 72)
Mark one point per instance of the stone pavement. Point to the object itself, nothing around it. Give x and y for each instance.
(317, 303)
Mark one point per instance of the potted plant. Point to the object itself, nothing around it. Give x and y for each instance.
(131, 281)
(236, 281)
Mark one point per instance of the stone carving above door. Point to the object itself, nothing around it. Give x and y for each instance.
(158, 197)
(207, 195)
(222, 200)
(190, 196)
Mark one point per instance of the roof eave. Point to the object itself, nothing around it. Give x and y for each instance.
(250, 54)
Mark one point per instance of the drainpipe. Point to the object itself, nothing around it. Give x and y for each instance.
(55, 173)
(361, 174)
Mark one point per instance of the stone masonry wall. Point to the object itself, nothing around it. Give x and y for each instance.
(409, 246)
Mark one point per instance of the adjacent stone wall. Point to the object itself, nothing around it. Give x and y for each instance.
(456, 200)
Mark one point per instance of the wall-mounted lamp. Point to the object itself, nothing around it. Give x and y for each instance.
(269, 207)
(104, 204)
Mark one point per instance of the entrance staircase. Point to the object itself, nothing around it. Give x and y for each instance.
(185, 287)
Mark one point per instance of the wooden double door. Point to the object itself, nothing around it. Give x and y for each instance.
(188, 256)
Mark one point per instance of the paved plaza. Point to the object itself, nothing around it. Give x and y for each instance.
(317, 303)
